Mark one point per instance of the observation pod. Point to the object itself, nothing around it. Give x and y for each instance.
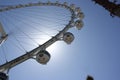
(3, 76)
(80, 15)
(72, 6)
(68, 37)
(43, 57)
(65, 3)
(79, 24)
(77, 9)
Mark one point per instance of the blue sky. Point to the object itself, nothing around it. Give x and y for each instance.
(95, 50)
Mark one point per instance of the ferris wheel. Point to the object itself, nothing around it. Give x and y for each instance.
(28, 29)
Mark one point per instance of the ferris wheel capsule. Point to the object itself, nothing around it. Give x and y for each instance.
(77, 9)
(30, 4)
(57, 2)
(48, 2)
(26, 5)
(79, 24)
(39, 3)
(7, 8)
(3, 76)
(68, 37)
(19, 6)
(80, 15)
(43, 57)
(72, 6)
(65, 3)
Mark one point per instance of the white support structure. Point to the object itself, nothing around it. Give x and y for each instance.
(57, 37)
